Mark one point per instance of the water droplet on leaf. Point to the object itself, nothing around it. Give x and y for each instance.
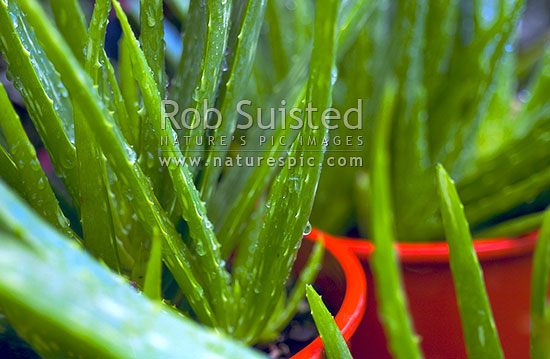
(308, 229)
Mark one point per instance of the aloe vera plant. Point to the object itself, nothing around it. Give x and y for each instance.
(478, 326)
(227, 236)
(216, 244)
(456, 105)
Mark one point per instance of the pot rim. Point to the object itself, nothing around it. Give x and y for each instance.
(352, 309)
(438, 252)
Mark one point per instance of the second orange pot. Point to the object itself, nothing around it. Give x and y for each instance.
(506, 264)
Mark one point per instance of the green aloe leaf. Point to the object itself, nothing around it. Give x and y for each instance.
(353, 17)
(403, 343)
(278, 39)
(207, 78)
(285, 221)
(513, 227)
(335, 345)
(129, 93)
(153, 276)
(194, 44)
(112, 92)
(119, 155)
(34, 183)
(70, 21)
(96, 39)
(537, 108)
(95, 211)
(83, 308)
(510, 197)
(10, 173)
(540, 317)
(410, 152)
(441, 31)
(44, 94)
(244, 256)
(205, 244)
(240, 188)
(336, 187)
(233, 92)
(478, 326)
(525, 155)
(152, 39)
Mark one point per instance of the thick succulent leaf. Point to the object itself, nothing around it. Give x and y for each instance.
(119, 155)
(129, 93)
(537, 108)
(526, 156)
(10, 173)
(129, 125)
(96, 39)
(335, 345)
(70, 21)
(152, 39)
(403, 343)
(194, 45)
(95, 211)
(205, 244)
(278, 38)
(245, 254)
(45, 96)
(34, 182)
(291, 197)
(241, 187)
(301, 25)
(540, 317)
(353, 17)
(332, 211)
(153, 276)
(441, 31)
(410, 152)
(478, 326)
(206, 80)
(510, 197)
(513, 227)
(233, 92)
(83, 308)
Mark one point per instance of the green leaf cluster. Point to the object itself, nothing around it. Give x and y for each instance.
(216, 244)
(456, 103)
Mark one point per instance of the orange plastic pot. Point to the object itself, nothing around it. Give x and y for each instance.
(506, 264)
(342, 285)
